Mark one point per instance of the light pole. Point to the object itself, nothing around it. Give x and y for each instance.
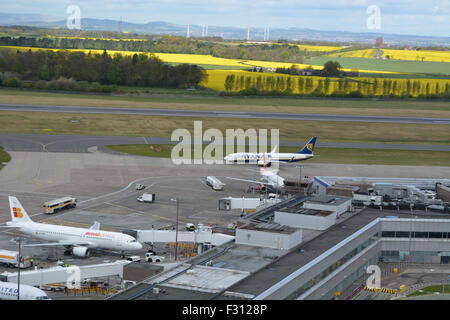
(18, 271)
(176, 228)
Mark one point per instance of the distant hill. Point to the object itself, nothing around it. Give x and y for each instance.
(256, 34)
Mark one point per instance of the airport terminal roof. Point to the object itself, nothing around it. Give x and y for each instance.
(269, 227)
(329, 199)
(309, 212)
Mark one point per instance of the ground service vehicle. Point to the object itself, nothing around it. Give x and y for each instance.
(11, 259)
(215, 183)
(146, 197)
(152, 257)
(134, 258)
(59, 204)
(139, 186)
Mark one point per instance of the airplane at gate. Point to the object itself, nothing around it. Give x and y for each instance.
(251, 157)
(77, 241)
(10, 291)
(269, 179)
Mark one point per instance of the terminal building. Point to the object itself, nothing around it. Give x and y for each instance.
(289, 251)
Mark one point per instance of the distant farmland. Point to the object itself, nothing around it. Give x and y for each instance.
(386, 65)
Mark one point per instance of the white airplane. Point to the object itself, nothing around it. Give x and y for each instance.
(78, 241)
(251, 157)
(9, 291)
(269, 178)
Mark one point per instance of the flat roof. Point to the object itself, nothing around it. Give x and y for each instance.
(305, 211)
(206, 279)
(269, 227)
(328, 200)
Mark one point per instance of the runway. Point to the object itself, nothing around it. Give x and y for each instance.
(86, 144)
(220, 114)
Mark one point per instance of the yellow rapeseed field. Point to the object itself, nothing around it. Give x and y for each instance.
(200, 59)
(184, 58)
(319, 48)
(411, 55)
(91, 38)
(298, 84)
(315, 48)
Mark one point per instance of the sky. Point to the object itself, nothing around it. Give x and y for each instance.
(423, 17)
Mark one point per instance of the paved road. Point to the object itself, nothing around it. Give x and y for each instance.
(220, 114)
(82, 144)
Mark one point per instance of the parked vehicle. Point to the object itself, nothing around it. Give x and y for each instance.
(146, 197)
(152, 257)
(215, 183)
(59, 204)
(140, 186)
(11, 259)
(190, 227)
(134, 258)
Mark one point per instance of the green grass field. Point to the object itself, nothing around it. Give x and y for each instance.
(431, 290)
(424, 67)
(4, 157)
(324, 155)
(206, 100)
(159, 126)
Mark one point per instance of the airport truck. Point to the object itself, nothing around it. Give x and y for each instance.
(59, 204)
(11, 259)
(215, 183)
(146, 197)
(152, 257)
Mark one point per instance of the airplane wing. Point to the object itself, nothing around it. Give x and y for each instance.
(251, 181)
(60, 243)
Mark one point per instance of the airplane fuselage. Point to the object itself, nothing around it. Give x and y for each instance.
(96, 238)
(259, 157)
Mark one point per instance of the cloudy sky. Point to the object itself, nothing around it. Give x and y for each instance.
(421, 17)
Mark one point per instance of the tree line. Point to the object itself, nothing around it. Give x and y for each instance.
(144, 70)
(342, 87)
(168, 44)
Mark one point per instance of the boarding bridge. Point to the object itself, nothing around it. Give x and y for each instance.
(203, 235)
(40, 277)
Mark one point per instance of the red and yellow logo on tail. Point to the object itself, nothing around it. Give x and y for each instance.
(309, 146)
(17, 213)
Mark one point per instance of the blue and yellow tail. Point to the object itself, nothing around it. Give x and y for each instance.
(309, 147)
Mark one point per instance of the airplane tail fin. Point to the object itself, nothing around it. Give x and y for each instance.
(95, 226)
(309, 147)
(18, 213)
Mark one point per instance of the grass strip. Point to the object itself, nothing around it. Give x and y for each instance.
(322, 155)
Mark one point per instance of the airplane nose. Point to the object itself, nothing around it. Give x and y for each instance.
(138, 246)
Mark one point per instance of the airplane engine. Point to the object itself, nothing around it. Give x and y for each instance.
(262, 188)
(82, 252)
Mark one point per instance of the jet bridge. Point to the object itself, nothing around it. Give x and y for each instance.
(40, 277)
(203, 235)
